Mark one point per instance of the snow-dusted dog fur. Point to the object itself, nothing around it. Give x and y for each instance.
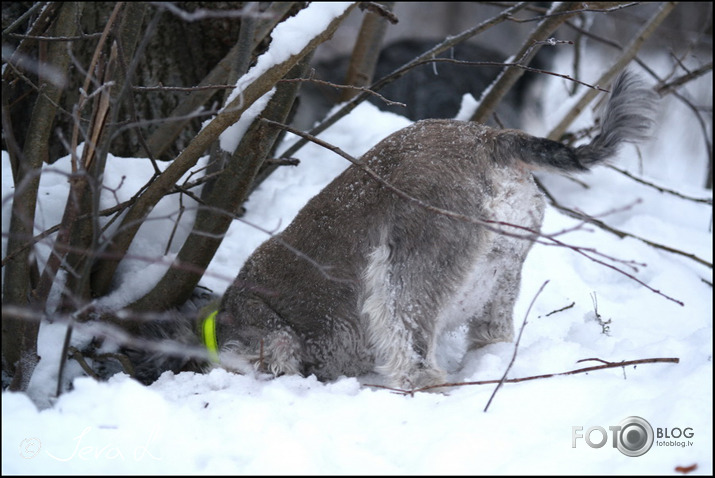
(366, 280)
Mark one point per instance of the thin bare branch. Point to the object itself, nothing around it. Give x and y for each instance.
(493, 94)
(515, 65)
(88, 36)
(561, 309)
(183, 89)
(170, 128)
(204, 14)
(436, 50)
(607, 365)
(201, 142)
(516, 347)
(33, 8)
(616, 67)
(346, 87)
(584, 217)
(605, 7)
(665, 88)
(662, 189)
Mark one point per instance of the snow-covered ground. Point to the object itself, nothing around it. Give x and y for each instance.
(225, 423)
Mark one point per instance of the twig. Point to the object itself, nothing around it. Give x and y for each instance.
(618, 6)
(606, 365)
(686, 469)
(659, 188)
(185, 89)
(515, 65)
(561, 309)
(345, 87)
(616, 66)
(594, 359)
(584, 252)
(131, 222)
(65, 353)
(378, 9)
(665, 88)
(516, 347)
(436, 50)
(79, 358)
(23, 17)
(282, 161)
(84, 36)
(507, 77)
(584, 217)
(175, 227)
(203, 14)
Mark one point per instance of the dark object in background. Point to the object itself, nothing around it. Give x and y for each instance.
(429, 90)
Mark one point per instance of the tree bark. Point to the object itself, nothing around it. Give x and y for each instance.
(161, 141)
(19, 337)
(229, 191)
(366, 52)
(187, 158)
(628, 54)
(506, 79)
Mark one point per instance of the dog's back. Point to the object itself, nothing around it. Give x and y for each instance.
(365, 278)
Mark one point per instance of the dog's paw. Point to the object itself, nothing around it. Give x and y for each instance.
(281, 354)
(420, 378)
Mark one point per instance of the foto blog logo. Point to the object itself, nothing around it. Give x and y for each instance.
(633, 436)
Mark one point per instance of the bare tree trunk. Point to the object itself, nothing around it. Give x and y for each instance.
(118, 72)
(366, 52)
(506, 79)
(628, 54)
(227, 194)
(162, 139)
(165, 182)
(19, 337)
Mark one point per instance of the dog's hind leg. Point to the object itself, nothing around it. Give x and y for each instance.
(402, 346)
(417, 262)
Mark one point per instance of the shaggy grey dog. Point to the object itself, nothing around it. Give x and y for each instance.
(365, 279)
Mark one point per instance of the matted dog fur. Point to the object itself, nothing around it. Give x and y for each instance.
(364, 280)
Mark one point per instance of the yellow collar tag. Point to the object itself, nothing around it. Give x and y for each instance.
(208, 334)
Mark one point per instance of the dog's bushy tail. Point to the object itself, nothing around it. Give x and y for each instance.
(627, 118)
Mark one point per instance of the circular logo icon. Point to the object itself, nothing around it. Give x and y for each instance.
(635, 437)
(30, 447)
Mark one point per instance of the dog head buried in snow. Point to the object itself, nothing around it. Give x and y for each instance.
(365, 279)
